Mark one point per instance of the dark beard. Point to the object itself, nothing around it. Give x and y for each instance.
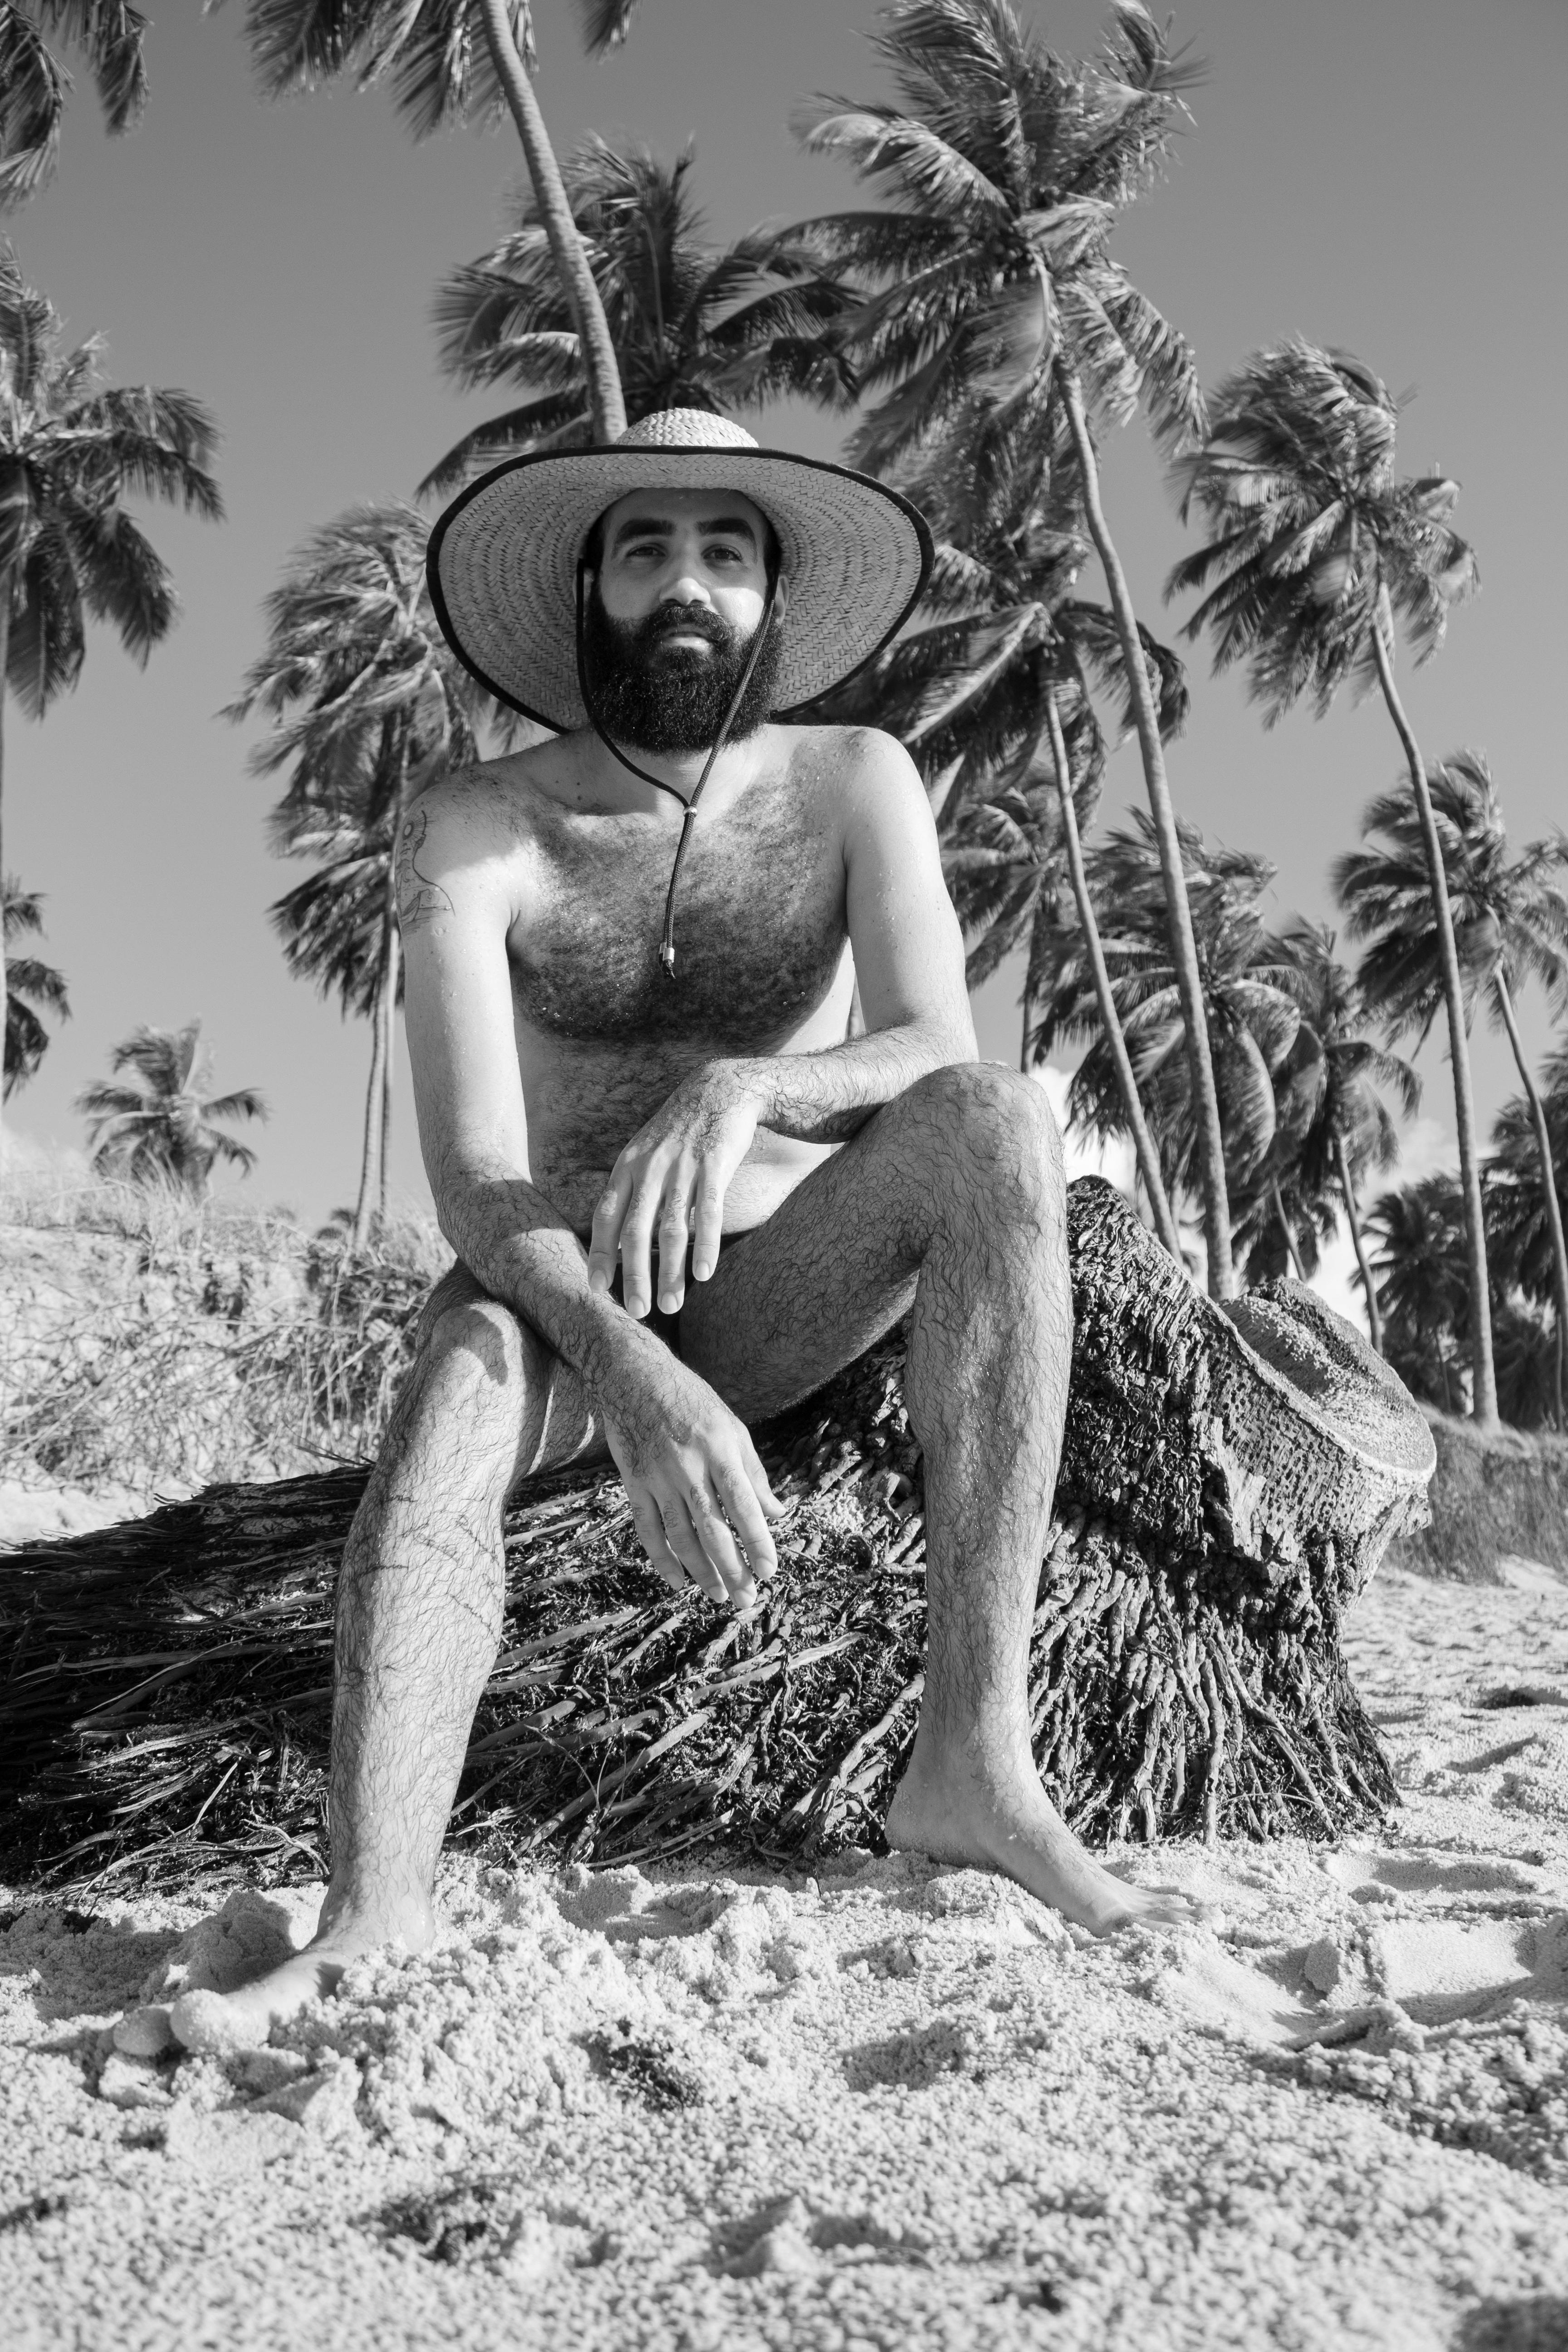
(674, 701)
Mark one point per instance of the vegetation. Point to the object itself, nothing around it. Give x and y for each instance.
(33, 81)
(692, 325)
(71, 449)
(1316, 552)
(1510, 924)
(33, 988)
(162, 1128)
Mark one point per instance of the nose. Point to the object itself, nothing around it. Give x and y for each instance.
(684, 587)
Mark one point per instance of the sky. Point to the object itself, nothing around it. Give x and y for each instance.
(1384, 175)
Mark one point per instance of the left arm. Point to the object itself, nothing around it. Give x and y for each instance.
(909, 960)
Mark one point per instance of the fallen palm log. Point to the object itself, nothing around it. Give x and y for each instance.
(1229, 1481)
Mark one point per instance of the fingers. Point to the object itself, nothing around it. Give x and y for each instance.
(687, 1543)
(674, 1229)
(743, 1508)
(649, 1521)
(605, 1244)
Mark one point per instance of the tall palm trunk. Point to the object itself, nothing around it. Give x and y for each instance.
(1184, 945)
(371, 1202)
(560, 230)
(1483, 1377)
(388, 1012)
(1287, 1229)
(1373, 1317)
(4, 661)
(1109, 1019)
(1548, 1180)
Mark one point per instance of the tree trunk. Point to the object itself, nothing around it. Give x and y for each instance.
(1229, 1480)
(1109, 1019)
(1289, 1230)
(1184, 946)
(566, 247)
(388, 1011)
(1483, 1378)
(4, 977)
(1373, 1314)
(370, 1183)
(1548, 1179)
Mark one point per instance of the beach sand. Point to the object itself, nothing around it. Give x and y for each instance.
(891, 2107)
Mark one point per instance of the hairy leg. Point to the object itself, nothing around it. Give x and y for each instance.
(954, 1196)
(419, 1613)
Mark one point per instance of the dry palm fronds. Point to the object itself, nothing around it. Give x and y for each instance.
(166, 1706)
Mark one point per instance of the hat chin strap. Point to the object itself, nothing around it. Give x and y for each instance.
(667, 946)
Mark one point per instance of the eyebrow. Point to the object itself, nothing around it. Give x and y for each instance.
(721, 527)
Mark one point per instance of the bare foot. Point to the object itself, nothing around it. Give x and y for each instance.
(955, 1816)
(243, 2019)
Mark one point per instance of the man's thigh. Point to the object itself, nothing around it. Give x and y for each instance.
(799, 1296)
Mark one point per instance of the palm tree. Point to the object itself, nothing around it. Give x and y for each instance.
(163, 1129)
(1510, 921)
(693, 325)
(32, 987)
(450, 61)
(1315, 550)
(1424, 1286)
(1248, 1006)
(366, 699)
(33, 82)
(1331, 1122)
(993, 315)
(1522, 1221)
(991, 690)
(70, 450)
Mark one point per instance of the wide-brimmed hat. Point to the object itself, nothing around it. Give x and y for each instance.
(502, 561)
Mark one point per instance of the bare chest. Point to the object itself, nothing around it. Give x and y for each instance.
(760, 929)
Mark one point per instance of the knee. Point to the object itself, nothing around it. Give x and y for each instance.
(463, 1325)
(992, 1132)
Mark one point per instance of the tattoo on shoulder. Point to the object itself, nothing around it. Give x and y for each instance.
(419, 897)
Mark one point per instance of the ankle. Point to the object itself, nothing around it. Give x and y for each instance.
(368, 1916)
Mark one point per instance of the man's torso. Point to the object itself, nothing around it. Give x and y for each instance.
(763, 964)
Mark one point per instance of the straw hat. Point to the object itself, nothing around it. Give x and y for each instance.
(502, 561)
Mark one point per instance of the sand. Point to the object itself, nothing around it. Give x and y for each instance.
(892, 2107)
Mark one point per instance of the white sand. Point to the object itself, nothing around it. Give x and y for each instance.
(896, 2108)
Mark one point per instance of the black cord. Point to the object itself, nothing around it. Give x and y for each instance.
(667, 946)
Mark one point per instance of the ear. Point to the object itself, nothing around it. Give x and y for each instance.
(781, 597)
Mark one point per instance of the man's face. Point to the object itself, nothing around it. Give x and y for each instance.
(680, 590)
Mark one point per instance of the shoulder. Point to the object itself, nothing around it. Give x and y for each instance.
(461, 839)
(857, 764)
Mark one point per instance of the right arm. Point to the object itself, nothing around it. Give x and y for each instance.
(688, 1462)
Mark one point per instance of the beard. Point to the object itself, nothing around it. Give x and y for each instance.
(661, 697)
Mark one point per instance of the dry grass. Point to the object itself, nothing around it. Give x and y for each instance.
(161, 1343)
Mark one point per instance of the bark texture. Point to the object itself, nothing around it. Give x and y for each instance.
(1229, 1481)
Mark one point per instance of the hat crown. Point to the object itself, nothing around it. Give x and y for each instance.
(684, 428)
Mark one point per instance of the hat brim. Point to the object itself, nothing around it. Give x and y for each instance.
(502, 565)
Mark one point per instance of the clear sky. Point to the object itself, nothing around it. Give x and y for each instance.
(1389, 175)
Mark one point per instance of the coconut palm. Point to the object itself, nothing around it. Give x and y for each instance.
(1522, 1221)
(448, 61)
(1510, 923)
(990, 690)
(366, 698)
(693, 325)
(1333, 1125)
(1250, 1009)
(70, 450)
(1317, 554)
(33, 988)
(994, 316)
(33, 82)
(1424, 1286)
(163, 1129)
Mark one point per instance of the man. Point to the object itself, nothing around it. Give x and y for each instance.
(681, 1194)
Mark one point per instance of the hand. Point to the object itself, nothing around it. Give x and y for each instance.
(670, 1182)
(700, 1496)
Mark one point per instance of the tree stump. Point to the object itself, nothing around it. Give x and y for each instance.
(1229, 1482)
